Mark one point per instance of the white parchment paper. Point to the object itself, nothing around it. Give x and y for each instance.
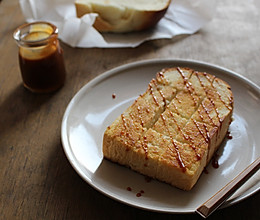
(182, 17)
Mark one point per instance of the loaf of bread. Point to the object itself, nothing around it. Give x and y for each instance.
(123, 15)
(171, 132)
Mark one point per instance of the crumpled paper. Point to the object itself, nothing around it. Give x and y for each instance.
(182, 17)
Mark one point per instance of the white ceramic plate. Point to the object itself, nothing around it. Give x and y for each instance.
(93, 108)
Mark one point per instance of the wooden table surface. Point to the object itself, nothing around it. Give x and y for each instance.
(36, 179)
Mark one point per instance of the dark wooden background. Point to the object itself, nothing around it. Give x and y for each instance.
(36, 179)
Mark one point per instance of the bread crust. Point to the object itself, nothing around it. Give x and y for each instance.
(136, 20)
(171, 132)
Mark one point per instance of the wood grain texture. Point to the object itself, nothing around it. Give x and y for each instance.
(222, 195)
(36, 180)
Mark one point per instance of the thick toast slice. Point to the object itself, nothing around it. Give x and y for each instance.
(171, 132)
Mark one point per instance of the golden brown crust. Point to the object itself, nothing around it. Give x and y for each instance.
(136, 20)
(146, 21)
(172, 130)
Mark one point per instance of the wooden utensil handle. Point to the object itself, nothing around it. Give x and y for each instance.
(222, 195)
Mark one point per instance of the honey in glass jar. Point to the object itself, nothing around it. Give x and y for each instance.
(40, 57)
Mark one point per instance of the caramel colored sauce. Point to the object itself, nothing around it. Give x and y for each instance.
(204, 125)
(210, 99)
(212, 102)
(44, 74)
(205, 171)
(205, 137)
(138, 194)
(152, 87)
(139, 115)
(180, 161)
(229, 136)
(162, 95)
(161, 74)
(186, 137)
(188, 85)
(129, 188)
(176, 109)
(208, 114)
(145, 147)
(191, 90)
(128, 135)
(40, 57)
(124, 121)
(147, 179)
(220, 97)
(152, 93)
(214, 161)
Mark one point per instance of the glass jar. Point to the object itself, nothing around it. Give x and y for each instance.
(40, 57)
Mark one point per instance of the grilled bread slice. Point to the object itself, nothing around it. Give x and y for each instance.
(171, 132)
(123, 15)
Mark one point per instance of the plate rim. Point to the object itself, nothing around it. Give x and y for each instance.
(136, 64)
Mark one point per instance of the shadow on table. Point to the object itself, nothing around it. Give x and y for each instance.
(18, 106)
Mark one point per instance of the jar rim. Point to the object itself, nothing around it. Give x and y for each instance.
(25, 29)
